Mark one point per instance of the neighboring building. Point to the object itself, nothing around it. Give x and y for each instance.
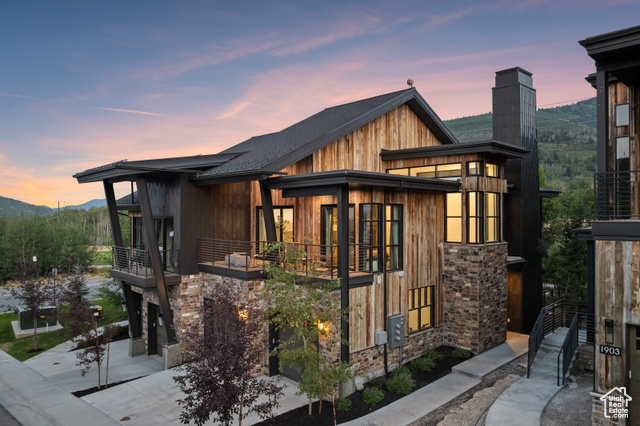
(614, 237)
(379, 192)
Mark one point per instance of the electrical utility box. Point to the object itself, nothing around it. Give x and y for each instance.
(396, 331)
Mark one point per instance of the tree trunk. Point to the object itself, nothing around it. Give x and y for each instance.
(240, 415)
(35, 331)
(106, 377)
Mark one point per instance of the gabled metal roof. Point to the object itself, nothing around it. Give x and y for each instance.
(275, 151)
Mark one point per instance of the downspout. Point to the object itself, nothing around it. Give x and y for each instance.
(384, 278)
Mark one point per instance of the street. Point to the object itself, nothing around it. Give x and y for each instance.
(8, 302)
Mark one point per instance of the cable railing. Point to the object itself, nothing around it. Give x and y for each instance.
(314, 259)
(136, 261)
(617, 195)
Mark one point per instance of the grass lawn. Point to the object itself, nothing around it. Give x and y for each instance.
(102, 258)
(18, 348)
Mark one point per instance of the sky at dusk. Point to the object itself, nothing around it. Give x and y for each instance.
(86, 83)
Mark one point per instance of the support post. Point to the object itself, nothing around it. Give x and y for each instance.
(132, 312)
(267, 212)
(343, 264)
(151, 242)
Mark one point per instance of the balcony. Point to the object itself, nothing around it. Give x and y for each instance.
(616, 206)
(617, 196)
(248, 259)
(133, 265)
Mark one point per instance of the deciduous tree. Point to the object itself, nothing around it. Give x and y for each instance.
(218, 361)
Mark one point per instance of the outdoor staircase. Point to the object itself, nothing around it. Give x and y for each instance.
(524, 401)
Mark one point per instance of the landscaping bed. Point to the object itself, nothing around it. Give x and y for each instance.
(300, 415)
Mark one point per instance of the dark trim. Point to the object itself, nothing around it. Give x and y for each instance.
(233, 273)
(621, 230)
(361, 281)
(602, 119)
(515, 263)
(235, 177)
(267, 212)
(549, 193)
(343, 266)
(145, 282)
(343, 177)
(599, 46)
(489, 147)
(154, 253)
(135, 327)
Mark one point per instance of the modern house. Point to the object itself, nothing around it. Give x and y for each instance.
(378, 193)
(613, 240)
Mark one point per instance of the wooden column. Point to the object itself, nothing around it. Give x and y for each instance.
(267, 212)
(151, 242)
(602, 123)
(343, 264)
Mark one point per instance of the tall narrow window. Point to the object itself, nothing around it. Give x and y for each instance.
(329, 235)
(283, 218)
(474, 217)
(393, 225)
(421, 309)
(492, 217)
(370, 237)
(453, 220)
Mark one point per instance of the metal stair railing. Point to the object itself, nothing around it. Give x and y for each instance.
(581, 321)
(549, 319)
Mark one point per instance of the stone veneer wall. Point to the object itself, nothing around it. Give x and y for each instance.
(597, 414)
(475, 295)
(370, 362)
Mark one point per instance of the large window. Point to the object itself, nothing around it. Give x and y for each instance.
(453, 219)
(492, 217)
(492, 170)
(329, 235)
(393, 226)
(283, 218)
(474, 217)
(421, 308)
(370, 237)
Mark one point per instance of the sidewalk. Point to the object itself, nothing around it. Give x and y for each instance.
(464, 377)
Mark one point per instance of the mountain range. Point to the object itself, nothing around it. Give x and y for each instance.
(10, 207)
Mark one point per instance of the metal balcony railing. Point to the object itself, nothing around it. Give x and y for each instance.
(317, 259)
(136, 261)
(617, 195)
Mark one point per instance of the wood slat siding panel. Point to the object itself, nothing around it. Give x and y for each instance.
(225, 212)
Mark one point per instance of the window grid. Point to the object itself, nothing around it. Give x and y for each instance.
(474, 218)
(393, 229)
(492, 217)
(453, 217)
(421, 309)
(371, 236)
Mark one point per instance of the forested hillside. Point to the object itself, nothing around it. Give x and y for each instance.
(567, 152)
(566, 138)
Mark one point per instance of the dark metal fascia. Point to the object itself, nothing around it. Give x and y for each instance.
(233, 177)
(489, 147)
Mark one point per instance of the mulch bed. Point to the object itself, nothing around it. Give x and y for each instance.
(88, 391)
(300, 416)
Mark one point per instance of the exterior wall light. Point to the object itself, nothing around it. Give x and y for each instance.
(160, 320)
(243, 314)
(608, 331)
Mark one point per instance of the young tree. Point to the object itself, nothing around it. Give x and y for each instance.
(34, 294)
(218, 362)
(81, 322)
(309, 308)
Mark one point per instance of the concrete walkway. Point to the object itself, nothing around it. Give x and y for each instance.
(37, 392)
(464, 377)
(524, 401)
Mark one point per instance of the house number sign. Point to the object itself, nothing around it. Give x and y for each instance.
(610, 350)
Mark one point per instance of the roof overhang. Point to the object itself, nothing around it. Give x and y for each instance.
(127, 170)
(548, 192)
(494, 147)
(245, 176)
(326, 183)
(617, 52)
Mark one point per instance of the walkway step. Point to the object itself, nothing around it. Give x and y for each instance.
(524, 401)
